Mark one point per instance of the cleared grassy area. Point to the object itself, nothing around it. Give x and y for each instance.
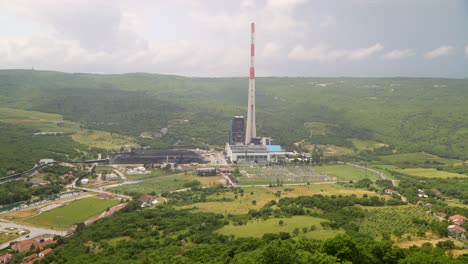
(344, 172)
(37, 120)
(46, 122)
(429, 173)
(72, 213)
(161, 182)
(101, 139)
(257, 228)
(367, 144)
(5, 238)
(417, 157)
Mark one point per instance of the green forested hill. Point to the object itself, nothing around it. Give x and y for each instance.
(412, 114)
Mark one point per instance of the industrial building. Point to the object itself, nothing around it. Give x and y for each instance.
(249, 148)
(237, 131)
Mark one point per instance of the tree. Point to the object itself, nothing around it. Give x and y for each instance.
(281, 222)
(447, 244)
(254, 202)
(296, 231)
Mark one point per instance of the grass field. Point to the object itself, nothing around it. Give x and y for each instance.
(344, 172)
(102, 139)
(72, 213)
(257, 228)
(160, 182)
(417, 157)
(5, 238)
(429, 173)
(367, 144)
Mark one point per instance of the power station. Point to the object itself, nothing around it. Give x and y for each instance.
(244, 146)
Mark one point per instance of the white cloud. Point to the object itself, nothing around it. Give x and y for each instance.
(398, 54)
(327, 21)
(271, 49)
(439, 52)
(323, 54)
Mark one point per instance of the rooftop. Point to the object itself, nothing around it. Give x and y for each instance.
(248, 148)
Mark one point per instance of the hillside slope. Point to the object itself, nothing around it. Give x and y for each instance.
(412, 114)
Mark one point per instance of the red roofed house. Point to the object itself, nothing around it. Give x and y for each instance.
(23, 246)
(4, 259)
(45, 252)
(457, 219)
(31, 258)
(458, 231)
(389, 191)
(43, 244)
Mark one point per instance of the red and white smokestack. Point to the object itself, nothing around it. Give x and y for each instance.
(251, 131)
(252, 51)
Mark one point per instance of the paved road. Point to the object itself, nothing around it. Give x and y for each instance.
(104, 192)
(34, 232)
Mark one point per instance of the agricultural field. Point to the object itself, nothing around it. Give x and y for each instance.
(258, 227)
(72, 213)
(345, 172)
(429, 173)
(395, 221)
(263, 195)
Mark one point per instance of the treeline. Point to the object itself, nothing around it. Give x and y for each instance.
(22, 191)
(167, 235)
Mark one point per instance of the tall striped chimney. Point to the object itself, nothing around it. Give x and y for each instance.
(251, 130)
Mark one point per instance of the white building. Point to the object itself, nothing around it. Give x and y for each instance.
(248, 153)
(46, 161)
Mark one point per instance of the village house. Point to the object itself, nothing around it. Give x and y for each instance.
(42, 244)
(147, 200)
(31, 259)
(389, 191)
(457, 231)
(23, 246)
(45, 252)
(7, 258)
(458, 219)
(441, 215)
(111, 177)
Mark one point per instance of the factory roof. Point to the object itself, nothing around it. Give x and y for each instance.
(248, 148)
(274, 148)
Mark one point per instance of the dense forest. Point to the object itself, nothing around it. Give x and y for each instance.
(412, 114)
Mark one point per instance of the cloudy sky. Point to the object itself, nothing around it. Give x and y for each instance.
(211, 37)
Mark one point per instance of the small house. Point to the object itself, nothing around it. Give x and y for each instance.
(23, 246)
(457, 219)
(111, 177)
(7, 258)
